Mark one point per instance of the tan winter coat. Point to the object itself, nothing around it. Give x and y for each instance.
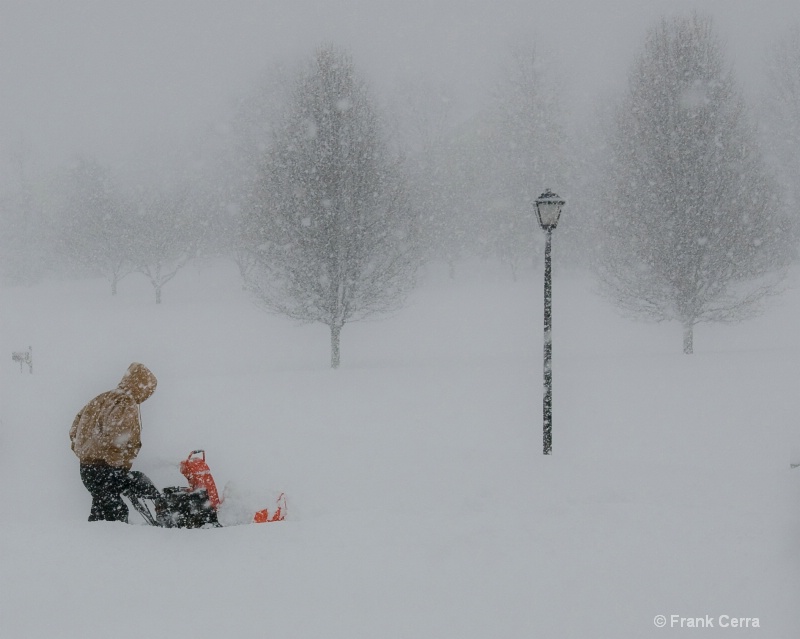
(108, 428)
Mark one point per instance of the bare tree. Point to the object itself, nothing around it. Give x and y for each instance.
(96, 232)
(425, 119)
(333, 231)
(164, 236)
(692, 229)
(525, 151)
(239, 165)
(783, 112)
(29, 228)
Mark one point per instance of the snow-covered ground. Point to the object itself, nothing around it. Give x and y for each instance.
(420, 505)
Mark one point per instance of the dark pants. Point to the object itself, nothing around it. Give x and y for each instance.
(106, 485)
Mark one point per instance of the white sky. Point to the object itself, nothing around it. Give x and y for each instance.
(112, 78)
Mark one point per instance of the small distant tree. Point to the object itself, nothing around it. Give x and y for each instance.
(332, 227)
(691, 227)
(524, 155)
(27, 224)
(426, 120)
(164, 236)
(97, 232)
(238, 166)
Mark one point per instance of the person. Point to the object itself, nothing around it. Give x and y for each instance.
(106, 437)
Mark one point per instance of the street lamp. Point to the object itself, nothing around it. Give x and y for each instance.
(548, 210)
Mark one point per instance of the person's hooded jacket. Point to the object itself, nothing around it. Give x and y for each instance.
(108, 429)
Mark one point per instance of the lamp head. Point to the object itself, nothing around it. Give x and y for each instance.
(548, 210)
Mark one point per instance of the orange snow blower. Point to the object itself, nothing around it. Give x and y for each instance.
(192, 507)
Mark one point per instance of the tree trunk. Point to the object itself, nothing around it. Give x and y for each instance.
(451, 264)
(688, 338)
(335, 331)
(114, 286)
(158, 295)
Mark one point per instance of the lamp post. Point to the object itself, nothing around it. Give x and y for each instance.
(548, 210)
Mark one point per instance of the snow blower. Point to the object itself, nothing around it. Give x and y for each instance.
(194, 506)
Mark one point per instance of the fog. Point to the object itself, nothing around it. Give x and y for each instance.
(419, 504)
(136, 80)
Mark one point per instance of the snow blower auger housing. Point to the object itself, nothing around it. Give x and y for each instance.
(194, 506)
